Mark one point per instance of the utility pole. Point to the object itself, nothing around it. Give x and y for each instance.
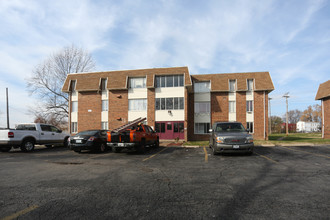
(7, 108)
(286, 96)
(270, 116)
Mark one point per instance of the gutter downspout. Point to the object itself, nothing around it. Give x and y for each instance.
(264, 115)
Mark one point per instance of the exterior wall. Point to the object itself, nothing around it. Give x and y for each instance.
(187, 109)
(89, 108)
(326, 117)
(241, 107)
(219, 106)
(260, 115)
(190, 117)
(151, 107)
(118, 108)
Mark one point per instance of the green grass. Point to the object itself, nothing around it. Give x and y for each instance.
(312, 138)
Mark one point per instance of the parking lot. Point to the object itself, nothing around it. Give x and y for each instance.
(166, 183)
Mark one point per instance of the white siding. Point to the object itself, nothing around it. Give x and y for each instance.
(164, 115)
(74, 116)
(169, 92)
(104, 116)
(202, 97)
(137, 93)
(132, 115)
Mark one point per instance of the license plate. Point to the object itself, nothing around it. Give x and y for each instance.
(78, 141)
(235, 146)
(120, 144)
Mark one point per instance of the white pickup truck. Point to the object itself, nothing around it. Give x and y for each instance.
(26, 136)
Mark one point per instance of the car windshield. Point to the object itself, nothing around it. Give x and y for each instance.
(83, 133)
(229, 127)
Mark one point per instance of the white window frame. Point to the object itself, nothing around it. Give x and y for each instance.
(250, 84)
(74, 127)
(202, 107)
(248, 126)
(105, 105)
(137, 105)
(201, 126)
(249, 106)
(232, 85)
(232, 106)
(104, 125)
(74, 106)
(202, 87)
(137, 82)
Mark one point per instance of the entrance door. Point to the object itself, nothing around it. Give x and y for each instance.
(170, 129)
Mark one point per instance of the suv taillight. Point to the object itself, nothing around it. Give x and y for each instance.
(10, 134)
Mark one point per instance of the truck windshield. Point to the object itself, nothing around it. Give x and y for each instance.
(230, 127)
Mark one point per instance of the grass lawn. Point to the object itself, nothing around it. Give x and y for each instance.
(278, 139)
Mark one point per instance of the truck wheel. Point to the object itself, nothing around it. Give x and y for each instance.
(157, 143)
(142, 147)
(103, 147)
(27, 145)
(116, 149)
(77, 151)
(5, 149)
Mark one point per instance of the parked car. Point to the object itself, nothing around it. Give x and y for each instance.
(26, 136)
(230, 137)
(89, 140)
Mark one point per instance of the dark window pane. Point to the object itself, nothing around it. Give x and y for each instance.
(157, 82)
(181, 127)
(157, 127)
(162, 128)
(176, 127)
(176, 103)
(181, 103)
(162, 103)
(169, 103)
(162, 81)
(157, 104)
(176, 81)
(169, 126)
(181, 80)
(169, 81)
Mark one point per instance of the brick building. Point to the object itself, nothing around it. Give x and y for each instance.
(323, 94)
(175, 103)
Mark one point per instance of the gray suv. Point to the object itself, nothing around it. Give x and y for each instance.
(230, 137)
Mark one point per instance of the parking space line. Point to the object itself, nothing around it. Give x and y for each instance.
(17, 214)
(267, 158)
(319, 155)
(153, 155)
(206, 156)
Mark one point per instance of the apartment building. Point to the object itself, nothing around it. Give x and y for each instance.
(175, 103)
(323, 94)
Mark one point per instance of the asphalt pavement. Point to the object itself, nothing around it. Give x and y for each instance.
(166, 183)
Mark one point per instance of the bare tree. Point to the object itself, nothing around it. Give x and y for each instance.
(294, 116)
(48, 78)
(312, 114)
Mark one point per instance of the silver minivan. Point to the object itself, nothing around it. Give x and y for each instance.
(230, 137)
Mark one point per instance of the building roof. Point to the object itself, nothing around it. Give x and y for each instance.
(323, 91)
(220, 82)
(118, 80)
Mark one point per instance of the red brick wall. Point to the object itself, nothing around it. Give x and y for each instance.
(118, 108)
(219, 106)
(326, 107)
(89, 110)
(241, 107)
(260, 115)
(151, 107)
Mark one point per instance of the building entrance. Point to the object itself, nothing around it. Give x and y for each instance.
(170, 129)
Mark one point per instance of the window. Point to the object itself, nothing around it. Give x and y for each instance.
(202, 128)
(169, 103)
(249, 126)
(74, 106)
(202, 107)
(232, 85)
(249, 106)
(250, 84)
(160, 127)
(29, 127)
(104, 125)
(137, 82)
(169, 81)
(178, 127)
(104, 105)
(137, 104)
(74, 127)
(103, 84)
(73, 86)
(232, 106)
(202, 87)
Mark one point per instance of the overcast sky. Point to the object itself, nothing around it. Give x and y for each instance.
(288, 38)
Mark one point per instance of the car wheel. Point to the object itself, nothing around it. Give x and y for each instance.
(103, 147)
(77, 151)
(5, 149)
(27, 145)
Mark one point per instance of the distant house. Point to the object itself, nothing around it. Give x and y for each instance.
(323, 94)
(304, 126)
(291, 128)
